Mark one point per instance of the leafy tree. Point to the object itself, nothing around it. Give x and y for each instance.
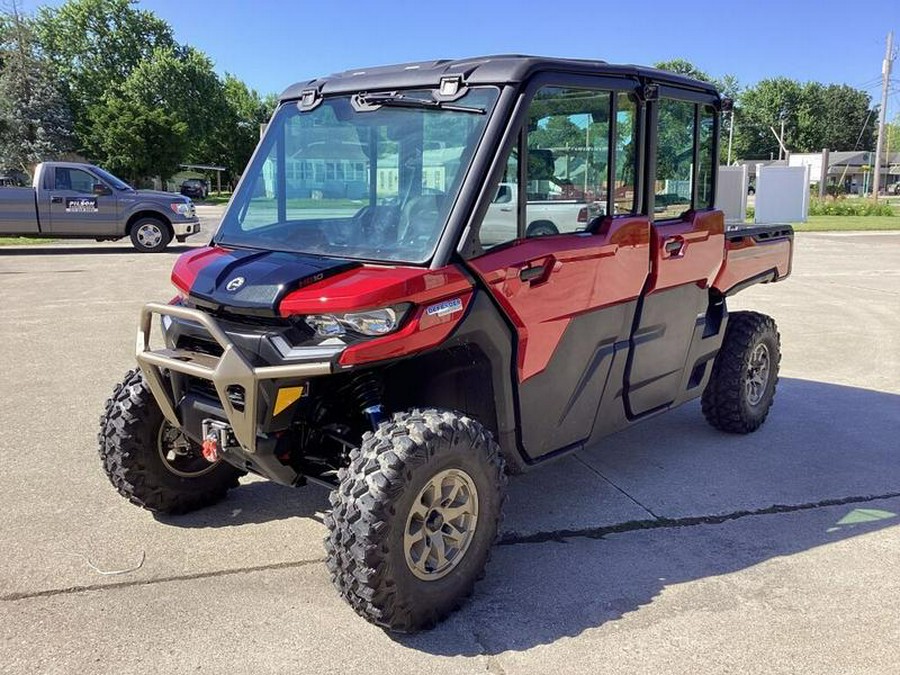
(144, 128)
(236, 137)
(94, 45)
(816, 116)
(35, 122)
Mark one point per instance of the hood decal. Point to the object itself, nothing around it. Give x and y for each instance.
(254, 282)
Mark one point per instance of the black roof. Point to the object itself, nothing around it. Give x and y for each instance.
(501, 69)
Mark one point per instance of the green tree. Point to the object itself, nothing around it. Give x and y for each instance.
(238, 133)
(144, 128)
(815, 116)
(35, 121)
(94, 45)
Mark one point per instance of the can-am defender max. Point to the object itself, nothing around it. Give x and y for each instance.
(355, 322)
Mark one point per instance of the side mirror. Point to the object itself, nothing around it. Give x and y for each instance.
(101, 190)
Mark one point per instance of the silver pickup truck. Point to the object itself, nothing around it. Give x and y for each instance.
(69, 200)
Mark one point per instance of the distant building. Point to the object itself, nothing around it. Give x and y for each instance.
(853, 170)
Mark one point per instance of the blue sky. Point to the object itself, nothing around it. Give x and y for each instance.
(272, 43)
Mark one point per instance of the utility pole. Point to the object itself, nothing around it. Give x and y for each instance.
(882, 114)
(730, 137)
(782, 149)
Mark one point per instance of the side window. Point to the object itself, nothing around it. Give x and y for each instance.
(500, 223)
(674, 158)
(568, 159)
(74, 179)
(707, 163)
(624, 201)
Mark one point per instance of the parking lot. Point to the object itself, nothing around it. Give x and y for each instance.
(672, 548)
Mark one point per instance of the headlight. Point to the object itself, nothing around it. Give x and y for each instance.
(185, 209)
(371, 322)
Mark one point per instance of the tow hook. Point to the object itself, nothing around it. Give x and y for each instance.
(215, 439)
(210, 449)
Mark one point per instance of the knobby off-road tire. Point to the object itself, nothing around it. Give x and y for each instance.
(131, 429)
(745, 373)
(377, 504)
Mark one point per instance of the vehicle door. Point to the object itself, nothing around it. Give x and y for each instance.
(571, 296)
(686, 249)
(80, 203)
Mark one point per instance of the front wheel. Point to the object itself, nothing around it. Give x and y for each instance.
(150, 235)
(742, 385)
(150, 462)
(414, 518)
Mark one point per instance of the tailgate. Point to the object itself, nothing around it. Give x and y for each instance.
(754, 255)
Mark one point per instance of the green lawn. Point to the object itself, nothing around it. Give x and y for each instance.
(215, 199)
(23, 241)
(832, 223)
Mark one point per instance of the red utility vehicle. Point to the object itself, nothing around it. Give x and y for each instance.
(348, 325)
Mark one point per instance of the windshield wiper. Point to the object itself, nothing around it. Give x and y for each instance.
(372, 101)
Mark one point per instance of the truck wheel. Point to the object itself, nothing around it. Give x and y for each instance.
(414, 518)
(541, 228)
(742, 385)
(150, 462)
(150, 235)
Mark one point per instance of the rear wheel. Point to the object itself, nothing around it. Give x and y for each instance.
(741, 388)
(414, 518)
(152, 463)
(150, 235)
(541, 228)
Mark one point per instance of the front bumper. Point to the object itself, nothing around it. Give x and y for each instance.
(227, 372)
(186, 229)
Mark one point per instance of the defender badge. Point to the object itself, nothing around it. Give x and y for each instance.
(234, 284)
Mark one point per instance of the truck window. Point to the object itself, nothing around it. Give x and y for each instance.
(624, 191)
(674, 158)
(707, 164)
(568, 154)
(75, 180)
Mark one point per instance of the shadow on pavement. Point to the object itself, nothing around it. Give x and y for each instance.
(256, 502)
(701, 504)
(823, 444)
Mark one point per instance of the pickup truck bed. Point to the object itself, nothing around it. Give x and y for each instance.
(19, 211)
(758, 254)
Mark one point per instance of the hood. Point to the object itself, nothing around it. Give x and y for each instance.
(253, 282)
(158, 195)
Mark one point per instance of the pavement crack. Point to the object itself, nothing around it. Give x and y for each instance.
(594, 470)
(660, 523)
(12, 597)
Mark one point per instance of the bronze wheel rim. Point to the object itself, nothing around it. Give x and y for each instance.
(441, 524)
(758, 371)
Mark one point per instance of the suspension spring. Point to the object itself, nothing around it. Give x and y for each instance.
(368, 390)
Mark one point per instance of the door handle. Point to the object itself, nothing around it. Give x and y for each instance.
(506, 209)
(674, 246)
(56, 200)
(531, 273)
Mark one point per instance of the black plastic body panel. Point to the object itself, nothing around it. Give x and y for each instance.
(559, 404)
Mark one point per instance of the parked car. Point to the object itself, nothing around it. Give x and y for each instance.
(195, 188)
(70, 200)
(381, 349)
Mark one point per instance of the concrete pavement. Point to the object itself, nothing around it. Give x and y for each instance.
(672, 548)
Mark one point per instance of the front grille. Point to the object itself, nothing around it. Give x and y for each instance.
(192, 343)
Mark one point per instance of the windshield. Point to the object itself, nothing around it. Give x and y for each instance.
(109, 178)
(372, 179)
